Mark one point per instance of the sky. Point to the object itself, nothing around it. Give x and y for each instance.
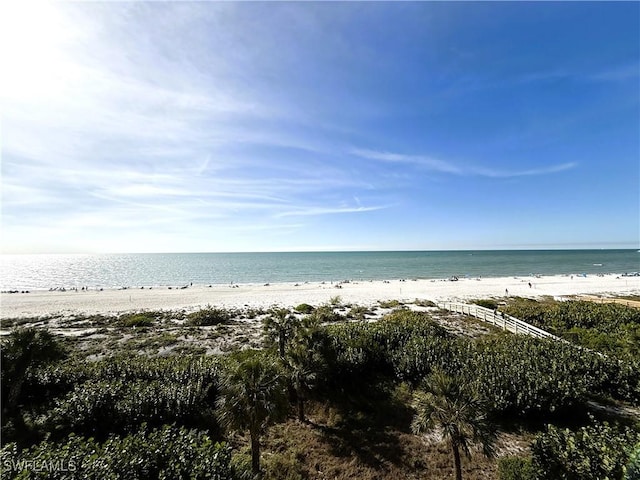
(222, 126)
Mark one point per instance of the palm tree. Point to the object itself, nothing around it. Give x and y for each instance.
(453, 405)
(304, 360)
(252, 397)
(280, 326)
(25, 349)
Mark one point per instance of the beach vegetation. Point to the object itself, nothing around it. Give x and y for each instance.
(633, 466)
(421, 302)
(23, 352)
(453, 406)
(168, 452)
(304, 308)
(326, 314)
(592, 452)
(304, 361)
(607, 327)
(335, 301)
(252, 397)
(352, 383)
(208, 316)
(286, 465)
(514, 467)
(389, 304)
(358, 312)
(189, 350)
(252, 313)
(137, 320)
(279, 327)
(489, 303)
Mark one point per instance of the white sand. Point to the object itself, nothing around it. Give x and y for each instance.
(38, 303)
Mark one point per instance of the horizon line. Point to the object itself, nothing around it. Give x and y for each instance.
(409, 250)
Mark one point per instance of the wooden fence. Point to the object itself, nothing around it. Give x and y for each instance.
(500, 320)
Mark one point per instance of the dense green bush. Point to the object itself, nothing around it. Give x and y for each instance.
(326, 314)
(208, 316)
(100, 408)
(524, 375)
(486, 303)
(516, 468)
(22, 352)
(633, 467)
(169, 453)
(422, 353)
(606, 327)
(421, 302)
(304, 308)
(389, 304)
(116, 395)
(519, 375)
(595, 452)
(363, 351)
(143, 319)
(63, 377)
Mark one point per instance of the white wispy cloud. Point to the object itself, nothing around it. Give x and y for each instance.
(133, 127)
(436, 165)
(200, 122)
(525, 173)
(313, 211)
(427, 162)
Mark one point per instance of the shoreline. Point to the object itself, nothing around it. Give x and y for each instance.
(38, 303)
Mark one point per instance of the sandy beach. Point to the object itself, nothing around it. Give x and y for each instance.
(41, 303)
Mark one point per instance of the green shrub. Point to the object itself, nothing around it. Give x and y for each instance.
(241, 464)
(607, 327)
(116, 395)
(360, 351)
(424, 303)
(100, 408)
(284, 466)
(137, 320)
(389, 304)
(304, 308)
(23, 352)
(516, 468)
(633, 467)
(594, 452)
(358, 312)
(208, 316)
(326, 314)
(486, 303)
(335, 300)
(166, 453)
(526, 376)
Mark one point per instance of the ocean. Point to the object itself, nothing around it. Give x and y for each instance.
(42, 272)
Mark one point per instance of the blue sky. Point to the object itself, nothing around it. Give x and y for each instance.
(176, 127)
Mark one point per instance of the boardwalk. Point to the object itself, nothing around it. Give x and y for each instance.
(500, 320)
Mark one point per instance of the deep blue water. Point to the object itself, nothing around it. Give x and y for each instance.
(119, 270)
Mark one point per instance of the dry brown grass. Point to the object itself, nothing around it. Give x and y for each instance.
(377, 444)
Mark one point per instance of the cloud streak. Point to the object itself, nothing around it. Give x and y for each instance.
(441, 166)
(313, 211)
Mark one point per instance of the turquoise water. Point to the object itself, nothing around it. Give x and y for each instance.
(119, 270)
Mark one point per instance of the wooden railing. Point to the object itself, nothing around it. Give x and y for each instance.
(499, 319)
